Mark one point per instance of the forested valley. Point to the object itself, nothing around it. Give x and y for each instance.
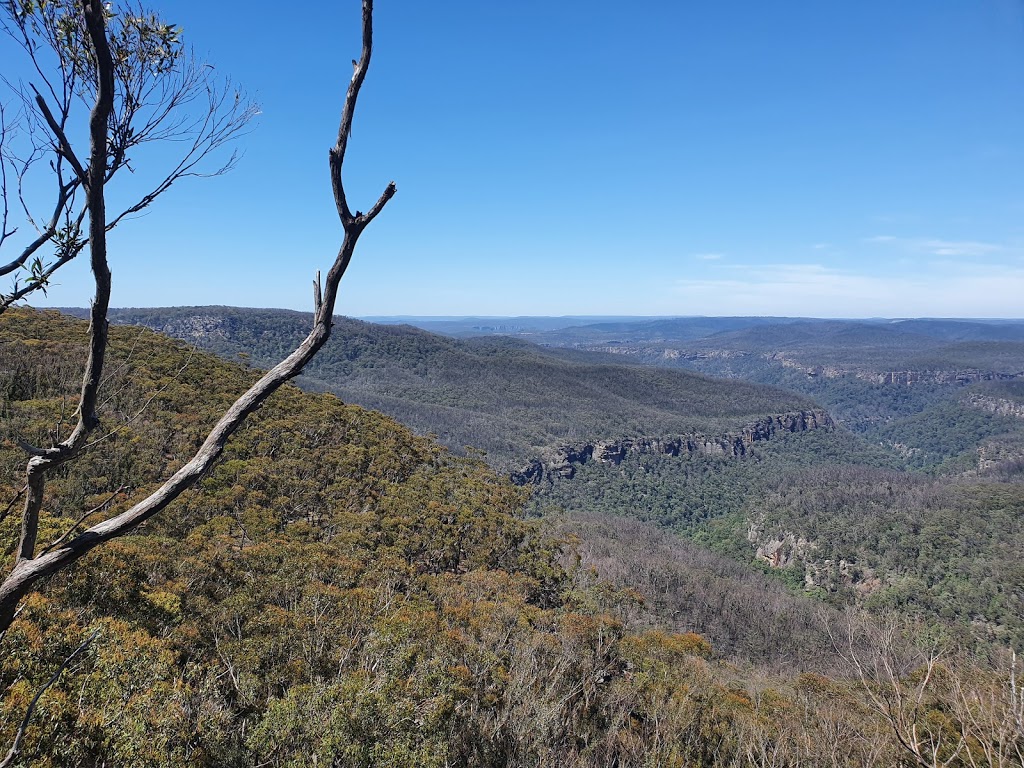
(254, 537)
(811, 596)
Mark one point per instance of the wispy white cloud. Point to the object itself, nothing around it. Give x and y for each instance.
(709, 256)
(936, 246)
(815, 290)
(959, 247)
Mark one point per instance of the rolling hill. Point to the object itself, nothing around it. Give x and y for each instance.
(340, 591)
(512, 399)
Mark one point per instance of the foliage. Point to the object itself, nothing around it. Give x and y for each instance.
(160, 95)
(388, 606)
(385, 607)
(507, 397)
(932, 548)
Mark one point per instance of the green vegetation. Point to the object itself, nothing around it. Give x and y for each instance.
(933, 548)
(943, 549)
(943, 428)
(387, 604)
(747, 615)
(504, 396)
(688, 492)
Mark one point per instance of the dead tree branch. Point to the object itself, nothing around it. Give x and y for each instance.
(20, 734)
(160, 93)
(85, 516)
(29, 568)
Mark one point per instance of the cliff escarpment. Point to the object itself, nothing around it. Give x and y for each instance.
(563, 461)
(954, 375)
(996, 405)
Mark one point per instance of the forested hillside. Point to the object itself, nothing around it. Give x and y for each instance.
(928, 390)
(341, 592)
(507, 397)
(733, 488)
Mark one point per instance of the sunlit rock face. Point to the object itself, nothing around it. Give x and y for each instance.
(561, 463)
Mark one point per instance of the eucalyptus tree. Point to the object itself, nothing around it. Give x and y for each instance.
(158, 94)
(116, 58)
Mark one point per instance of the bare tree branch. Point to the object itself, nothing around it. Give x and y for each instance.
(20, 734)
(5, 216)
(337, 154)
(161, 93)
(898, 678)
(39, 465)
(62, 139)
(29, 569)
(12, 502)
(83, 517)
(134, 417)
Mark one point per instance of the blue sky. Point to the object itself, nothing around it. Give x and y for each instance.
(665, 158)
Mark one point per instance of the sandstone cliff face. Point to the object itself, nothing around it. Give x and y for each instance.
(997, 405)
(786, 360)
(969, 376)
(788, 549)
(195, 328)
(780, 550)
(562, 462)
(904, 378)
(667, 353)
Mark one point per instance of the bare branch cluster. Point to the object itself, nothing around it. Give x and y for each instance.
(940, 707)
(160, 93)
(108, 151)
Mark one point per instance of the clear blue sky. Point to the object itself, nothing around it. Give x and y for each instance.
(661, 158)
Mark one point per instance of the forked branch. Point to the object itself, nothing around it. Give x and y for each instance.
(161, 93)
(29, 568)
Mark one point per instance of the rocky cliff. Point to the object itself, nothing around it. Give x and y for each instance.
(908, 377)
(997, 405)
(700, 358)
(562, 462)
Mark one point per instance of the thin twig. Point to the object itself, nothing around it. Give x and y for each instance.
(17, 613)
(16, 747)
(83, 518)
(109, 376)
(145, 405)
(62, 139)
(12, 502)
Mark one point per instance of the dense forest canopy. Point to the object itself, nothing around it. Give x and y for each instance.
(507, 397)
(390, 605)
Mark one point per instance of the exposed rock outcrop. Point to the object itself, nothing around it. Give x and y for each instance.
(997, 405)
(781, 550)
(562, 463)
(968, 376)
(904, 378)
(195, 328)
(788, 549)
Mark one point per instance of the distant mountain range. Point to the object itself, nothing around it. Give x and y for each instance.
(503, 395)
(552, 386)
(570, 329)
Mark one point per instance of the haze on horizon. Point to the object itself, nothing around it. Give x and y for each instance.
(735, 158)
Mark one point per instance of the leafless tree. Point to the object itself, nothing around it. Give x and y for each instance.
(904, 679)
(98, 74)
(158, 93)
(990, 711)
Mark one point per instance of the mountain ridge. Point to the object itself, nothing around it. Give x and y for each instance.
(500, 394)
